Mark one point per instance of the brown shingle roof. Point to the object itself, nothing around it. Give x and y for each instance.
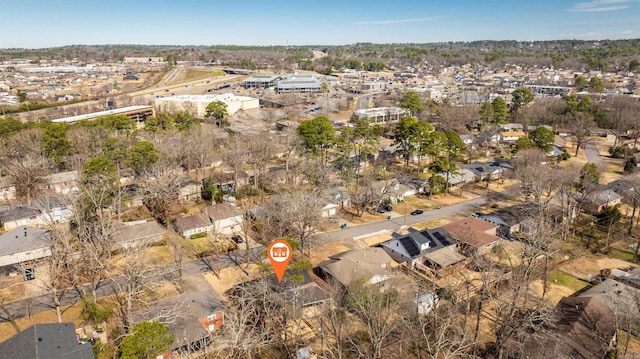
(587, 326)
(221, 211)
(472, 231)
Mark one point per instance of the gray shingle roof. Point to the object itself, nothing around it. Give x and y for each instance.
(46, 341)
(23, 239)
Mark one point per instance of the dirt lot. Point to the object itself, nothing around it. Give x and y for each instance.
(322, 252)
(581, 268)
(228, 277)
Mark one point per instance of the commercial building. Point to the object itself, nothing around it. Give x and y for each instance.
(137, 113)
(300, 84)
(196, 105)
(381, 115)
(260, 81)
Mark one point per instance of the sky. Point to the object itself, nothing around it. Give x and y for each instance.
(51, 23)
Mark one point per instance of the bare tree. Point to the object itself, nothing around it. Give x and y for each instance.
(381, 312)
(581, 124)
(259, 153)
(133, 274)
(60, 266)
(161, 187)
(26, 162)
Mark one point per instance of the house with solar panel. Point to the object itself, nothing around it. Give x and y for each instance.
(429, 248)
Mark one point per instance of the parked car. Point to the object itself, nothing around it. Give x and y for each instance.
(477, 215)
(417, 212)
(383, 208)
(236, 238)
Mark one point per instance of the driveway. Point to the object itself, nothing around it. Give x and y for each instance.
(593, 155)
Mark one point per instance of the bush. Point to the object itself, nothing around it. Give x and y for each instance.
(198, 235)
(565, 155)
(629, 166)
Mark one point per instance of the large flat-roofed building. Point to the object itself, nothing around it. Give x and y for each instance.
(196, 105)
(299, 84)
(379, 115)
(137, 113)
(260, 81)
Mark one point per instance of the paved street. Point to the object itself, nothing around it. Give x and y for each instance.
(73, 295)
(395, 223)
(109, 287)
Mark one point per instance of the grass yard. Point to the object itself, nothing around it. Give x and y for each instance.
(194, 74)
(621, 254)
(560, 278)
(193, 247)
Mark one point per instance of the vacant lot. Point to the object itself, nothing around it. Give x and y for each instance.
(583, 268)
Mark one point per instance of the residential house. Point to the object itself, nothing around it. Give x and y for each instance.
(46, 341)
(488, 138)
(14, 216)
(469, 141)
(190, 225)
(24, 244)
(488, 171)
(191, 317)
(595, 201)
(297, 291)
(134, 234)
(587, 328)
(473, 234)
(53, 209)
(511, 137)
(514, 218)
(430, 247)
(620, 292)
(417, 184)
(458, 177)
(190, 191)
(336, 198)
(511, 127)
(373, 265)
(224, 180)
(7, 189)
(60, 183)
(225, 218)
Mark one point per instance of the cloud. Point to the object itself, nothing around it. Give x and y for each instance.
(399, 21)
(601, 5)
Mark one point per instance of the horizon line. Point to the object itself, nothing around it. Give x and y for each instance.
(311, 45)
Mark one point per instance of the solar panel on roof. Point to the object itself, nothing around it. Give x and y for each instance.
(442, 238)
(408, 244)
(427, 235)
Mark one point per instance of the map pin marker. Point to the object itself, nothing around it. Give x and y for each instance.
(279, 253)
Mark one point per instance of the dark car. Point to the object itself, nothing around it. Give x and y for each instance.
(384, 208)
(417, 212)
(236, 238)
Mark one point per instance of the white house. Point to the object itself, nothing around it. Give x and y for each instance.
(24, 244)
(7, 189)
(190, 225)
(226, 218)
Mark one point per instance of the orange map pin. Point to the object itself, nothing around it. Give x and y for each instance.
(279, 253)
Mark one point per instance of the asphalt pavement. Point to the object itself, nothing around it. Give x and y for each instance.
(73, 295)
(396, 223)
(593, 155)
(111, 286)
